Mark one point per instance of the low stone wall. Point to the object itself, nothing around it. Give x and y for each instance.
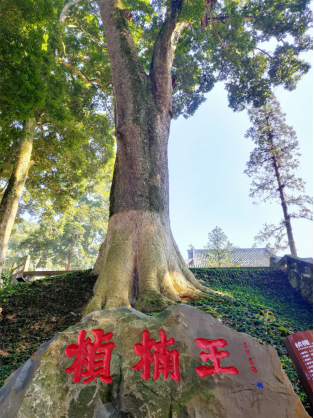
(300, 274)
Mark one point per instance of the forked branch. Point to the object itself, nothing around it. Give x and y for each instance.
(160, 71)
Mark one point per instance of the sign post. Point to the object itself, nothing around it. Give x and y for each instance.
(300, 349)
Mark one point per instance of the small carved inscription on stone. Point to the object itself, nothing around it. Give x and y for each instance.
(247, 351)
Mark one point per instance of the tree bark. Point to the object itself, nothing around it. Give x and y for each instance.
(139, 263)
(286, 215)
(13, 192)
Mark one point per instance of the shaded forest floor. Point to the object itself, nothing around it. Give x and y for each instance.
(261, 303)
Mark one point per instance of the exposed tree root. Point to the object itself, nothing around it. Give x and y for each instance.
(139, 265)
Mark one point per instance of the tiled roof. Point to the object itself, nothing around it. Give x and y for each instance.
(243, 257)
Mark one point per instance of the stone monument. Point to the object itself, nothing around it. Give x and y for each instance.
(124, 364)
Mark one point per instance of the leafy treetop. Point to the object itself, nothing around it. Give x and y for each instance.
(251, 45)
(73, 133)
(219, 249)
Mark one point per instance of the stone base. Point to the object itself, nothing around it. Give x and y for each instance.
(258, 388)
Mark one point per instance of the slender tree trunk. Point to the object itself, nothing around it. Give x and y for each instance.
(285, 208)
(219, 259)
(139, 263)
(69, 259)
(13, 192)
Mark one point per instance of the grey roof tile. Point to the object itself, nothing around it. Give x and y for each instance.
(243, 257)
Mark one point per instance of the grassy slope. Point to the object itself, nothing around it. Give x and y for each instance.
(33, 312)
(263, 305)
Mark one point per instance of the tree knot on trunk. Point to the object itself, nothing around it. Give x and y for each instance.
(127, 14)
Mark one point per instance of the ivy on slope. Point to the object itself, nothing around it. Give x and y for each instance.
(263, 304)
(33, 313)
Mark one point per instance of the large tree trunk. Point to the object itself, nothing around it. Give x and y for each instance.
(286, 215)
(13, 192)
(139, 263)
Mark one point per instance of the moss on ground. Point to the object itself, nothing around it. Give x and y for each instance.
(264, 305)
(33, 313)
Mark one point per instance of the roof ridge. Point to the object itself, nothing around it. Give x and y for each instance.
(233, 248)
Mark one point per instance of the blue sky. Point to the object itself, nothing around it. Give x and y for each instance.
(207, 157)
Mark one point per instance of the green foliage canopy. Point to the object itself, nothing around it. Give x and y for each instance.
(251, 45)
(72, 136)
(25, 56)
(60, 72)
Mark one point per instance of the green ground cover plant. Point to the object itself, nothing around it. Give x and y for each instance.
(32, 313)
(261, 303)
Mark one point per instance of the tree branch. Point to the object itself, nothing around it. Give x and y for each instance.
(219, 37)
(81, 75)
(78, 72)
(160, 71)
(64, 12)
(91, 37)
(265, 26)
(128, 75)
(264, 52)
(3, 188)
(223, 19)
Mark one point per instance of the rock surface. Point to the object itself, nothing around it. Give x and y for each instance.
(41, 387)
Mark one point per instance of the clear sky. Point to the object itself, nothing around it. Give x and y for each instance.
(207, 157)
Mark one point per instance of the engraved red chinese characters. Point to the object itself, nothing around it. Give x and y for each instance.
(164, 360)
(215, 356)
(94, 356)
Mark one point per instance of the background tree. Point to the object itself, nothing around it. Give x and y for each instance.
(139, 263)
(73, 240)
(16, 252)
(66, 242)
(220, 249)
(273, 166)
(43, 106)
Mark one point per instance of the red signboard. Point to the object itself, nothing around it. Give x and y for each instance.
(300, 349)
